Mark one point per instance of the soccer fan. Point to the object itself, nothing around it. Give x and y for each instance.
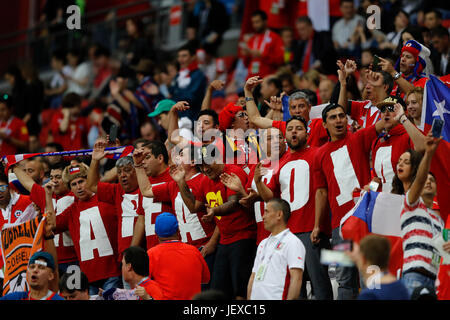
(193, 230)
(93, 227)
(419, 223)
(135, 271)
(395, 139)
(67, 127)
(278, 268)
(294, 181)
(377, 88)
(299, 105)
(41, 271)
(373, 251)
(16, 208)
(237, 227)
(440, 38)
(407, 72)
(263, 53)
(413, 101)
(53, 147)
(155, 165)
(13, 131)
(80, 292)
(178, 268)
(62, 198)
(342, 165)
(35, 169)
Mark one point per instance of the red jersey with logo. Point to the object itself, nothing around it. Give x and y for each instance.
(63, 242)
(385, 154)
(271, 47)
(14, 128)
(342, 166)
(192, 229)
(364, 112)
(93, 227)
(235, 226)
(151, 209)
(417, 82)
(260, 206)
(295, 181)
(126, 208)
(20, 208)
(75, 136)
(317, 134)
(178, 268)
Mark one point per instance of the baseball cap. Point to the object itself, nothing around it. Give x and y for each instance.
(166, 225)
(163, 106)
(390, 101)
(43, 255)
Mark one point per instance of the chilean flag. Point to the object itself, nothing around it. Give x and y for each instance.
(377, 213)
(436, 101)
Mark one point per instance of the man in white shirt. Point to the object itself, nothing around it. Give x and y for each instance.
(344, 28)
(278, 269)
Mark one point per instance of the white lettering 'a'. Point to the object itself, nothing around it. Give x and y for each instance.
(90, 219)
(150, 208)
(188, 222)
(383, 167)
(260, 206)
(345, 175)
(61, 205)
(294, 183)
(129, 207)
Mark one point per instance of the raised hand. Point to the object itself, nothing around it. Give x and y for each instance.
(231, 181)
(98, 153)
(431, 143)
(177, 172)
(217, 85)
(252, 83)
(49, 187)
(260, 171)
(139, 155)
(398, 111)
(350, 67)
(275, 102)
(180, 106)
(386, 65)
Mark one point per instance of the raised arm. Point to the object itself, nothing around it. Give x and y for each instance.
(343, 72)
(23, 177)
(415, 191)
(144, 183)
(178, 175)
(173, 134)
(98, 153)
(252, 109)
(264, 191)
(213, 86)
(403, 84)
(416, 136)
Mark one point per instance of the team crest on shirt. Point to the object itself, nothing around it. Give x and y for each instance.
(18, 213)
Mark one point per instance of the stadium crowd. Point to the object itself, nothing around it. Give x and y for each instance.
(242, 168)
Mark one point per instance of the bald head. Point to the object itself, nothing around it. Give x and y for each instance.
(35, 169)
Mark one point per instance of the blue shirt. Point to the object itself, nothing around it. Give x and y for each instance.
(23, 295)
(390, 291)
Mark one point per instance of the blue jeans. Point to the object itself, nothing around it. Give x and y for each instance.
(346, 277)
(105, 284)
(412, 280)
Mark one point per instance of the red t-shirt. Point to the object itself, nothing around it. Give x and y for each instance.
(276, 15)
(151, 209)
(364, 112)
(260, 206)
(18, 205)
(178, 268)
(93, 227)
(271, 47)
(295, 181)
(417, 82)
(193, 230)
(235, 226)
(126, 209)
(317, 134)
(385, 155)
(75, 136)
(64, 244)
(15, 128)
(341, 166)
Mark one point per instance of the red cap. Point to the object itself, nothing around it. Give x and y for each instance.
(227, 115)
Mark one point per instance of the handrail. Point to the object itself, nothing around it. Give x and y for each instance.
(85, 17)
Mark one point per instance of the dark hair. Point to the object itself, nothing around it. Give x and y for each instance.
(3, 177)
(71, 100)
(17, 74)
(312, 96)
(260, 13)
(141, 140)
(402, 11)
(299, 118)
(436, 12)
(188, 47)
(276, 82)
(138, 258)
(55, 145)
(66, 277)
(59, 55)
(283, 205)
(305, 19)
(415, 158)
(328, 108)
(342, 1)
(376, 250)
(439, 31)
(210, 112)
(387, 79)
(58, 166)
(158, 148)
(102, 51)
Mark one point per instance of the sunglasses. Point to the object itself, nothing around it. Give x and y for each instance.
(389, 108)
(3, 187)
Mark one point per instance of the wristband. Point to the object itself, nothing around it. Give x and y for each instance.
(406, 118)
(248, 99)
(397, 75)
(50, 237)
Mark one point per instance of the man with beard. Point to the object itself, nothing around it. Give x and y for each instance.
(295, 183)
(341, 166)
(263, 52)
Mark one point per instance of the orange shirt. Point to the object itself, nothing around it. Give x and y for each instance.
(178, 268)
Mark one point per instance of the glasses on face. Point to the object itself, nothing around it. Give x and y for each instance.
(3, 187)
(388, 108)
